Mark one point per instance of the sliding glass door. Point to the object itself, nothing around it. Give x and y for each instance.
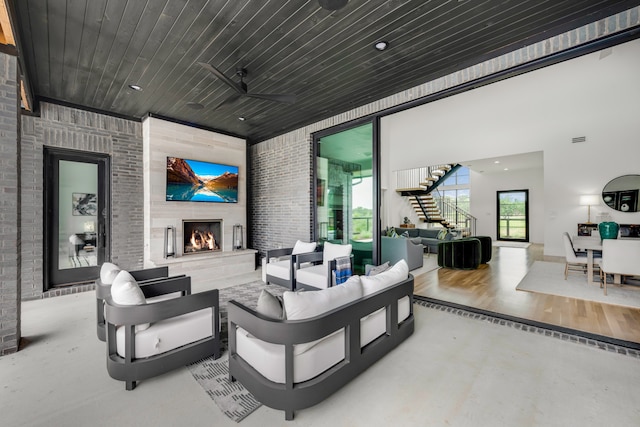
(345, 191)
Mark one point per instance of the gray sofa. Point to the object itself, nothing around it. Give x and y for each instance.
(261, 347)
(428, 237)
(396, 248)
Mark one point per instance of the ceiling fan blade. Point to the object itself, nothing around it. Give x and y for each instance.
(213, 70)
(286, 98)
(229, 100)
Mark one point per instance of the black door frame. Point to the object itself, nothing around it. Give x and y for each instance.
(316, 136)
(51, 274)
(526, 210)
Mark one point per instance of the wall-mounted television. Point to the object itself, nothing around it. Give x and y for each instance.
(197, 181)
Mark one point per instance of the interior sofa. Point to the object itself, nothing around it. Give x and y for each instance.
(396, 248)
(329, 337)
(428, 236)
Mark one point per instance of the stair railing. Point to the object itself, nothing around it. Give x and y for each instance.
(457, 217)
(415, 177)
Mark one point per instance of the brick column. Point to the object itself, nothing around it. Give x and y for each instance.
(9, 206)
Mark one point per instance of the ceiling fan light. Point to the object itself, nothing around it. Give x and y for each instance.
(332, 4)
(381, 45)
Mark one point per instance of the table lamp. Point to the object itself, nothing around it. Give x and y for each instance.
(588, 200)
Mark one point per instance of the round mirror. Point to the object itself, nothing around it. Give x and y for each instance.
(621, 193)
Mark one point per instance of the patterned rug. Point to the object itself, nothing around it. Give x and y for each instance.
(213, 375)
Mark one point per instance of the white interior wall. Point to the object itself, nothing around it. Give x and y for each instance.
(595, 96)
(483, 199)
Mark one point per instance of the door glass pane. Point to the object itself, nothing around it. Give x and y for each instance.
(77, 214)
(344, 197)
(512, 215)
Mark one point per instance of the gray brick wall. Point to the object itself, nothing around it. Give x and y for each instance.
(65, 127)
(281, 167)
(10, 281)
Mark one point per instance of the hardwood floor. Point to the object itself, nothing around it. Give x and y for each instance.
(492, 287)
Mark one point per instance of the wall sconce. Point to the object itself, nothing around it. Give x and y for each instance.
(169, 242)
(589, 200)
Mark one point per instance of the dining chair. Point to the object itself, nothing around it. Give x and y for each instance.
(573, 261)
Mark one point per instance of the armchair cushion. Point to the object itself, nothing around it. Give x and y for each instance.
(303, 247)
(168, 334)
(332, 251)
(279, 269)
(108, 273)
(126, 291)
(315, 275)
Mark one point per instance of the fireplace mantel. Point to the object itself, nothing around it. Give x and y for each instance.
(202, 267)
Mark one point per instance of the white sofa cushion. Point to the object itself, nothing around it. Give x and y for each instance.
(396, 274)
(375, 324)
(279, 269)
(303, 247)
(108, 272)
(268, 358)
(331, 251)
(307, 304)
(169, 334)
(126, 291)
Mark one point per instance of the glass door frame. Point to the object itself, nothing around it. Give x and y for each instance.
(375, 152)
(52, 274)
(526, 213)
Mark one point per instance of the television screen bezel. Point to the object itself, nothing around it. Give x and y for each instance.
(166, 180)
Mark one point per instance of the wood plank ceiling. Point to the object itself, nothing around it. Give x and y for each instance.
(88, 52)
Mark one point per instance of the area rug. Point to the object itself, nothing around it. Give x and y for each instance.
(213, 375)
(504, 244)
(548, 278)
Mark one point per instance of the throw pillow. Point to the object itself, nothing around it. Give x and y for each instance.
(270, 305)
(125, 291)
(442, 234)
(303, 247)
(405, 234)
(108, 272)
(396, 274)
(379, 269)
(332, 251)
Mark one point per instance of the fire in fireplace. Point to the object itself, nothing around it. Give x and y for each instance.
(202, 236)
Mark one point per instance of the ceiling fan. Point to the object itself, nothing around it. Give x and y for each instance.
(241, 88)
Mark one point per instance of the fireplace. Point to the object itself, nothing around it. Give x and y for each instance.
(202, 236)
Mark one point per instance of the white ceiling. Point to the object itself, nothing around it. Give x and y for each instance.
(512, 163)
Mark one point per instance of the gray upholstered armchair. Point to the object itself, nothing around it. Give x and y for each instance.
(396, 248)
(148, 339)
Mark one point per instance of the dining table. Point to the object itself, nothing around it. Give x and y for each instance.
(589, 244)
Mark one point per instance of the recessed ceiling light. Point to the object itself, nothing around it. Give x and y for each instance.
(497, 162)
(242, 119)
(136, 87)
(381, 45)
(506, 169)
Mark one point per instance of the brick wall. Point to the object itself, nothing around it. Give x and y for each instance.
(281, 167)
(66, 127)
(9, 207)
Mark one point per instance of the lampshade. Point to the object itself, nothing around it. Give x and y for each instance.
(589, 199)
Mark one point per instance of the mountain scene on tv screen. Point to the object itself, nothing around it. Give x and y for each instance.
(195, 181)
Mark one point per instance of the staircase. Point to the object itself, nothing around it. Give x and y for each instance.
(420, 185)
